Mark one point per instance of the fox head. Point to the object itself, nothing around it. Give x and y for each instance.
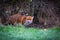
(29, 20)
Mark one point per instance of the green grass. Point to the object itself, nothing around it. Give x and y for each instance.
(21, 33)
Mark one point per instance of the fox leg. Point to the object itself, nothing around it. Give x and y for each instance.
(15, 23)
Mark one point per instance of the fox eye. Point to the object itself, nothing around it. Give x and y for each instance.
(28, 18)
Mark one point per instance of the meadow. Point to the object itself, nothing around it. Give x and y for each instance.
(20, 32)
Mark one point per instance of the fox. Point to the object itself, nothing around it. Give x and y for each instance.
(18, 18)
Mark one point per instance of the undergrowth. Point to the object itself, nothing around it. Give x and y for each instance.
(19, 32)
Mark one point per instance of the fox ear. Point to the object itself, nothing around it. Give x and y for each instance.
(32, 17)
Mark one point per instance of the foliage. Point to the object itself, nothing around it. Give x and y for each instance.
(21, 33)
(30, 0)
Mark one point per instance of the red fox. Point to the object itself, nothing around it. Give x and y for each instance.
(17, 18)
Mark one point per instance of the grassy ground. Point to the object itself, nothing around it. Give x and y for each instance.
(21, 33)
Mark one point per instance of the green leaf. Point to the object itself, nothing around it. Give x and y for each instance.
(30, 0)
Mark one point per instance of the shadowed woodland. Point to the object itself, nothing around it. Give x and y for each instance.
(46, 13)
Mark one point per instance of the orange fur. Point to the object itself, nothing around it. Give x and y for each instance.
(17, 18)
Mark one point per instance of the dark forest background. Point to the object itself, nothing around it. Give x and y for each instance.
(46, 12)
